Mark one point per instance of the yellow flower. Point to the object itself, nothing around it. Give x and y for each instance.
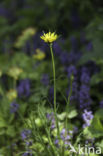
(15, 72)
(49, 37)
(29, 31)
(25, 36)
(40, 55)
(12, 94)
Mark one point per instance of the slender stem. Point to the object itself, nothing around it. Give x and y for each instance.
(53, 64)
(54, 75)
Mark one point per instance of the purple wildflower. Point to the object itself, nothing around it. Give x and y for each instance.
(84, 92)
(64, 58)
(27, 153)
(101, 104)
(14, 107)
(71, 70)
(75, 130)
(51, 93)
(85, 78)
(74, 96)
(50, 117)
(25, 134)
(87, 117)
(56, 142)
(24, 88)
(89, 46)
(84, 97)
(57, 48)
(45, 79)
(74, 43)
(74, 57)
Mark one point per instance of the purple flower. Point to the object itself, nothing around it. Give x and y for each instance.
(63, 131)
(74, 43)
(24, 88)
(71, 70)
(27, 153)
(75, 130)
(89, 46)
(56, 142)
(53, 124)
(74, 57)
(87, 117)
(45, 79)
(25, 134)
(28, 143)
(51, 94)
(85, 78)
(4, 12)
(57, 48)
(84, 97)
(50, 117)
(14, 107)
(101, 104)
(84, 92)
(74, 96)
(64, 57)
(65, 136)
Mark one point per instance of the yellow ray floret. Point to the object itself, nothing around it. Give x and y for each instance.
(49, 37)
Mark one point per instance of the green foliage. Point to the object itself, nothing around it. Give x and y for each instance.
(96, 128)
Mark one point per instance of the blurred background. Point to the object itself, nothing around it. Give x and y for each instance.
(25, 61)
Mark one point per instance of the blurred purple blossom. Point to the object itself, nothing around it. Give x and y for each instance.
(64, 57)
(85, 78)
(51, 118)
(101, 104)
(74, 43)
(27, 153)
(45, 79)
(51, 93)
(25, 134)
(89, 46)
(57, 49)
(24, 88)
(87, 117)
(71, 70)
(14, 107)
(4, 12)
(84, 97)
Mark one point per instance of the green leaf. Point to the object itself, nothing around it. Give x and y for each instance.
(2, 123)
(10, 131)
(61, 116)
(96, 128)
(72, 114)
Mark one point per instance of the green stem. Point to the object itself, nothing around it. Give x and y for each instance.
(54, 75)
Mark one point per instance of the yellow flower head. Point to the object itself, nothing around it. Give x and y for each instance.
(12, 94)
(49, 37)
(40, 55)
(14, 72)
